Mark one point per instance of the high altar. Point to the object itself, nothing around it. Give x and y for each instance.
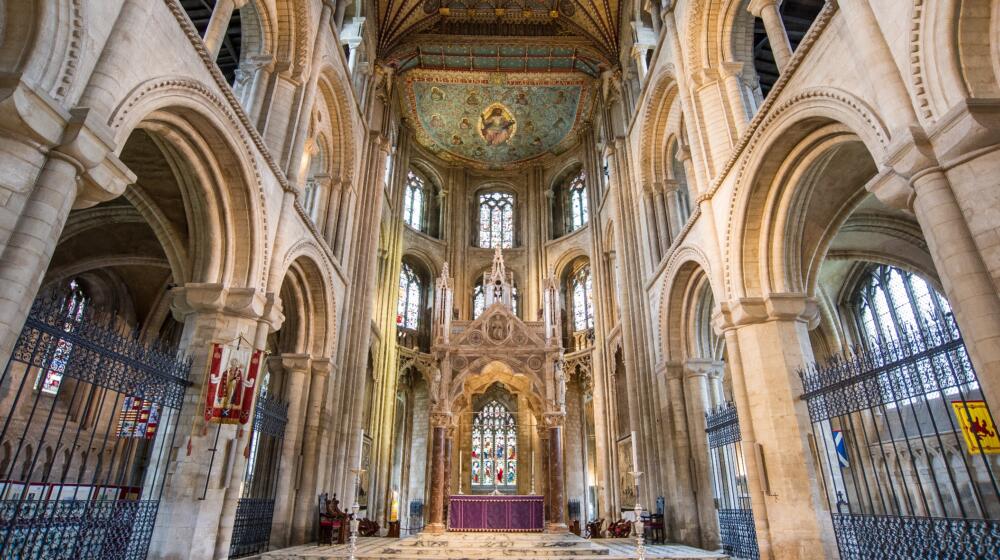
(473, 358)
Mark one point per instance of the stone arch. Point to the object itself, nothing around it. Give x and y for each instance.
(795, 148)
(42, 40)
(686, 309)
(221, 185)
(485, 371)
(312, 306)
(341, 126)
(657, 124)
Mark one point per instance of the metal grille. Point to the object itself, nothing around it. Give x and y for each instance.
(903, 438)
(736, 526)
(255, 510)
(90, 418)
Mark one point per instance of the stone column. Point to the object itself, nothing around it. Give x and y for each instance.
(81, 170)
(734, 91)
(296, 368)
(684, 528)
(662, 217)
(698, 400)
(916, 179)
(305, 505)
(676, 217)
(440, 421)
(767, 10)
(554, 422)
(655, 225)
(215, 34)
(449, 453)
(773, 339)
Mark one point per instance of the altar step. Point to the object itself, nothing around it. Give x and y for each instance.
(480, 546)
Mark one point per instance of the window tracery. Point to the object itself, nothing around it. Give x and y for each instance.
(579, 212)
(496, 220)
(479, 300)
(414, 201)
(494, 447)
(75, 304)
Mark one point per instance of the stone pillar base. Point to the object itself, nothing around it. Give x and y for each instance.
(556, 528)
(435, 528)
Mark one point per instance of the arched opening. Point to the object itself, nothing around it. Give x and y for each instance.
(578, 304)
(414, 305)
(569, 203)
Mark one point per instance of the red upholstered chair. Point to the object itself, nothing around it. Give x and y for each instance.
(332, 521)
(595, 529)
(653, 525)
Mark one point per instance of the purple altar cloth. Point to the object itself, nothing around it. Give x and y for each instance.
(518, 514)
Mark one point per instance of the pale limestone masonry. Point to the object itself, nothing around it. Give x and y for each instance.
(735, 200)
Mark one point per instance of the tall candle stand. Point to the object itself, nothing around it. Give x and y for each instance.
(352, 546)
(640, 548)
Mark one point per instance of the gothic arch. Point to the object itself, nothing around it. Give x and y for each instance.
(485, 371)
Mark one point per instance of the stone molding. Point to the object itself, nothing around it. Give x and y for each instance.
(774, 307)
(322, 367)
(703, 367)
(554, 419)
(247, 303)
(295, 362)
(440, 419)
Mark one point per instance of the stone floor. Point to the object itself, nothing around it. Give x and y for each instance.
(480, 546)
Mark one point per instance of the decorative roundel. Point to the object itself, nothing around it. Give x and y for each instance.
(459, 363)
(566, 7)
(476, 338)
(534, 363)
(520, 339)
(432, 6)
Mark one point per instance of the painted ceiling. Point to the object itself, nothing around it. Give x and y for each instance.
(596, 21)
(493, 119)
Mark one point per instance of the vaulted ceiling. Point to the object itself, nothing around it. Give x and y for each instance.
(492, 83)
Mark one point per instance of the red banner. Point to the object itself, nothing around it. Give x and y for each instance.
(232, 380)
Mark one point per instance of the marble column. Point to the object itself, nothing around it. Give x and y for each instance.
(773, 338)
(440, 422)
(296, 387)
(554, 422)
(767, 10)
(698, 401)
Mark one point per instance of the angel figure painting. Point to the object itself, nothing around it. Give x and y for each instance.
(496, 124)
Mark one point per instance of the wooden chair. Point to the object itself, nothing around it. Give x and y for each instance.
(653, 525)
(367, 528)
(595, 529)
(332, 521)
(620, 529)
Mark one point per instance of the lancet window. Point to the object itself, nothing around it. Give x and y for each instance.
(75, 304)
(496, 220)
(579, 212)
(415, 201)
(494, 447)
(408, 308)
(583, 303)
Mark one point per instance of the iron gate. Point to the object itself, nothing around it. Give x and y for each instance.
(90, 420)
(255, 511)
(907, 448)
(729, 482)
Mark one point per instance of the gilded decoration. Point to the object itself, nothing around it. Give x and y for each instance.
(495, 119)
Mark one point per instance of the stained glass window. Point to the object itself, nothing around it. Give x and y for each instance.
(583, 304)
(894, 303)
(479, 299)
(496, 220)
(494, 447)
(413, 201)
(579, 213)
(387, 172)
(75, 305)
(408, 308)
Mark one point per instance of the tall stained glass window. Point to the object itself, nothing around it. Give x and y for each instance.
(413, 201)
(583, 304)
(894, 304)
(75, 304)
(408, 308)
(479, 299)
(496, 220)
(494, 448)
(579, 213)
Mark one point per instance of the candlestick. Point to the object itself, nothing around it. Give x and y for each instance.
(635, 452)
(361, 443)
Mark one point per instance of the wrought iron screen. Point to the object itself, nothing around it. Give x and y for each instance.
(907, 449)
(255, 511)
(732, 499)
(90, 417)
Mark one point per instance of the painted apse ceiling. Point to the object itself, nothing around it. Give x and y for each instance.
(492, 83)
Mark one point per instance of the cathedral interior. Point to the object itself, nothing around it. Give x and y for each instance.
(499, 278)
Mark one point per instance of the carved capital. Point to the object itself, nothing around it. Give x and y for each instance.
(756, 7)
(440, 419)
(970, 126)
(248, 303)
(554, 419)
(322, 367)
(295, 362)
(703, 368)
(774, 307)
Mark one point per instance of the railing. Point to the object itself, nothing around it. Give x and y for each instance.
(736, 524)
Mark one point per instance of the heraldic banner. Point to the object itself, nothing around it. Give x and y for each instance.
(977, 425)
(232, 379)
